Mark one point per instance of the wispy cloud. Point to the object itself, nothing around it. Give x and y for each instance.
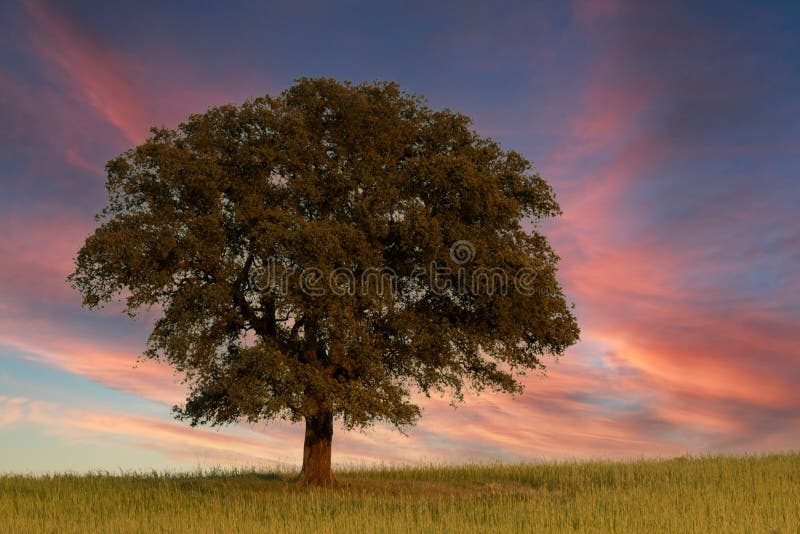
(99, 75)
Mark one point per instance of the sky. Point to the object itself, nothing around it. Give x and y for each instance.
(670, 132)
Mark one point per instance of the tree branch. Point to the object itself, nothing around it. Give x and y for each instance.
(264, 326)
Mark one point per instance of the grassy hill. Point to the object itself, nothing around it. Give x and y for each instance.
(759, 494)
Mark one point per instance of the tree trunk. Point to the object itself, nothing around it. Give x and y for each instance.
(317, 451)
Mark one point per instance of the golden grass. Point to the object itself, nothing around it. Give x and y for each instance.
(759, 494)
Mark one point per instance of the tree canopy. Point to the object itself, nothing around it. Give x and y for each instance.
(325, 253)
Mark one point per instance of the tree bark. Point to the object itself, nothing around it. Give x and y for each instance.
(317, 451)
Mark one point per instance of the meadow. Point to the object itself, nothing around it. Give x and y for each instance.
(759, 494)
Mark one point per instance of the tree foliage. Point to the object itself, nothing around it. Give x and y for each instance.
(231, 223)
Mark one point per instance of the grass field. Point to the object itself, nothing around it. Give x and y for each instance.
(759, 494)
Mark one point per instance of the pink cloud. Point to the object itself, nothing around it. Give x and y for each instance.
(99, 75)
(11, 409)
(177, 441)
(36, 254)
(680, 337)
(127, 91)
(112, 366)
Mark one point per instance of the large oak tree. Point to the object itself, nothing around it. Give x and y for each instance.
(324, 254)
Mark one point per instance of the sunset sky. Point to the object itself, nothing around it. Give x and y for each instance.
(669, 131)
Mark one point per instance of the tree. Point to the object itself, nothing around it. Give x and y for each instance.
(324, 254)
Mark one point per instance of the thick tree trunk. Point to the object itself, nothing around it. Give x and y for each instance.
(317, 451)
